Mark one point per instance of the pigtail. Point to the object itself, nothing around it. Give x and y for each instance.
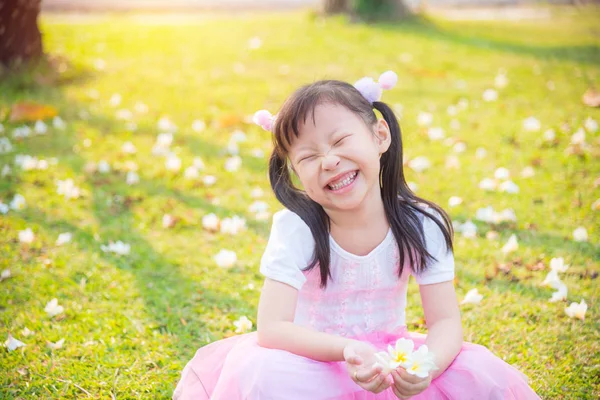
(311, 213)
(402, 205)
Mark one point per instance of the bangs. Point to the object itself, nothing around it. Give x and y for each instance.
(302, 105)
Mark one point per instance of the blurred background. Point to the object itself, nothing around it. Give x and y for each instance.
(135, 204)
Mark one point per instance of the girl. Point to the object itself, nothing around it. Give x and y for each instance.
(337, 266)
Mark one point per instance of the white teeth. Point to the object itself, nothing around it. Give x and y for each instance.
(345, 182)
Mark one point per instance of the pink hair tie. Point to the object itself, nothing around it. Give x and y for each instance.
(264, 119)
(372, 90)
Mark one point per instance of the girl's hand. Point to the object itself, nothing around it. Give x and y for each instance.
(407, 385)
(359, 357)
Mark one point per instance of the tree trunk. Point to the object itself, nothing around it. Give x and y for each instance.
(336, 6)
(20, 37)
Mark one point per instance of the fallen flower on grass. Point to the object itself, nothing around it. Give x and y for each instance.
(117, 247)
(12, 344)
(242, 325)
(511, 245)
(577, 310)
(225, 258)
(26, 236)
(57, 345)
(580, 234)
(472, 297)
(53, 309)
(64, 238)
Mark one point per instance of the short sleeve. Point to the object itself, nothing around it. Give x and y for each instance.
(289, 250)
(442, 268)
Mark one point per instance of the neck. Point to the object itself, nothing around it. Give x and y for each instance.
(368, 213)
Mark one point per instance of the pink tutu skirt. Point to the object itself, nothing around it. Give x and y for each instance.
(238, 368)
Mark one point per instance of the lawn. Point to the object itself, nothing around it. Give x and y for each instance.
(130, 322)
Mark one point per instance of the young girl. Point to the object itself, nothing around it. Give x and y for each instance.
(337, 267)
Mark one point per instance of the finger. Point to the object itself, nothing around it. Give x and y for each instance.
(351, 357)
(399, 394)
(374, 383)
(408, 377)
(366, 374)
(400, 384)
(385, 383)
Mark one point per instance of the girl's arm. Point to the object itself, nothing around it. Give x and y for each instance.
(442, 315)
(276, 329)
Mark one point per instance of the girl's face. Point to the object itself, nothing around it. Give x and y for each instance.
(336, 157)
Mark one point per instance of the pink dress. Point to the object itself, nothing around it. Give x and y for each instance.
(364, 300)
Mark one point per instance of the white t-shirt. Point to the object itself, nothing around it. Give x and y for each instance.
(365, 293)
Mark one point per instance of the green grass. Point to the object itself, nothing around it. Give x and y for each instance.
(131, 323)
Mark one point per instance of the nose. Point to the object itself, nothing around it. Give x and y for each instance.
(330, 161)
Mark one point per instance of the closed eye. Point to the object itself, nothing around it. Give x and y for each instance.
(339, 141)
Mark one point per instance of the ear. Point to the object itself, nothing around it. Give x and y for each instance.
(383, 137)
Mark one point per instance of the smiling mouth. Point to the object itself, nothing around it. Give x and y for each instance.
(345, 182)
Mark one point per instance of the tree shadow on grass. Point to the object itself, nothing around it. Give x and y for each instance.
(429, 29)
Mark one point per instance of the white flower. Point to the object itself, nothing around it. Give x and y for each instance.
(527, 172)
(460, 147)
(5, 171)
(103, 167)
(238, 136)
(233, 225)
(21, 132)
(64, 238)
(5, 274)
(117, 247)
(254, 43)
(509, 187)
(26, 236)
(198, 125)
(578, 138)
(68, 189)
(225, 258)
(256, 193)
(532, 124)
(560, 294)
(257, 153)
(210, 222)
(419, 164)
(209, 180)
(452, 110)
(18, 202)
(12, 344)
(472, 297)
(454, 201)
(173, 163)
(191, 172)
(58, 123)
(549, 135)
(26, 332)
(502, 173)
(40, 128)
(4, 208)
(132, 178)
(140, 107)
(577, 310)
(258, 207)
(424, 119)
(168, 221)
(511, 245)
(507, 215)
(5, 145)
(580, 234)
(591, 126)
(166, 125)
(115, 100)
(57, 345)
(488, 184)
(124, 115)
(128, 148)
(452, 162)
(468, 229)
(421, 362)
(198, 163)
(162, 144)
(552, 280)
(480, 153)
(400, 353)
(232, 164)
(242, 325)
(558, 264)
(501, 80)
(436, 133)
(490, 95)
(53, 309)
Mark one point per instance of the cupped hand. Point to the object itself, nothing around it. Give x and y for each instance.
(359, 357)
(406, 385)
